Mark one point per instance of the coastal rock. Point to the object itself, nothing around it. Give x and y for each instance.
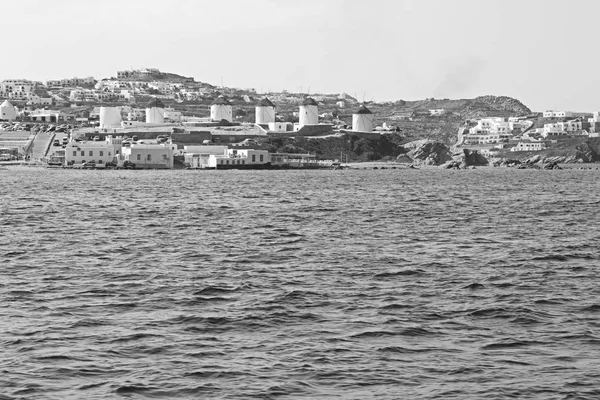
(551, 165)
(509, 163)
(452, 164)
(586, 153)
(428, 152)
(403, 158)
(468, 158)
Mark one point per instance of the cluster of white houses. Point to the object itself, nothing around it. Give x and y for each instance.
(519, 134)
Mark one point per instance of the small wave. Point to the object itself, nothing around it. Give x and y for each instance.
(474, 286)
(523, 320)
(402, 350)
(214, 290)
(369, 334)
(552, 257)
(405, 272)
(135, 336)
(396, 306)
(510, 344)
(591, 308)
(496, 312)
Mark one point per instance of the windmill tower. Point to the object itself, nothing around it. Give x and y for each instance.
(221, 109)
(155, 112)
(362, 120)
(265, 111)
(309, 112)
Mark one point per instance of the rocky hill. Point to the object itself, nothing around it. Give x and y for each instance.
(482, 106)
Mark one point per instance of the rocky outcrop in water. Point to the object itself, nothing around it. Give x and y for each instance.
(427, 152)
(535, 162)
(466, 158)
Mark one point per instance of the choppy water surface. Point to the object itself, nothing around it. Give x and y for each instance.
(350, 284)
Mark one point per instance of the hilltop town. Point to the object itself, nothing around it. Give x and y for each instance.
(153, 119)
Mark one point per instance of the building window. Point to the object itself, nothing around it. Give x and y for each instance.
(221, 162)
(149, 158)
(101, 153)
(82, 153)
(261, 158)
(74, 153)
(226, 161)
(243, 161)
(91, 153)
(253, 157)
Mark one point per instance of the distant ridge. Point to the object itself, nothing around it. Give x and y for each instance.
(479, 107)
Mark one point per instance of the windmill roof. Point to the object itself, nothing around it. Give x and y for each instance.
(363, 110)
(155, 103)
(265, 102)
(309, 101)
(221, 100)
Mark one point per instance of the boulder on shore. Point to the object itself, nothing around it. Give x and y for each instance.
(467, 158)
(428, 152)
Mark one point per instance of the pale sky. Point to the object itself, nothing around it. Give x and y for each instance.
(542, 52)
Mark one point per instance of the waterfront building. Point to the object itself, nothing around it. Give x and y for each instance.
(8, 112)
(265, 112)
(155, 112)
(146, 155)
(199, 156)
(528, 146)
(309, 113)
(362, 120)
(236, 157)
(221, 109)
(99, 152)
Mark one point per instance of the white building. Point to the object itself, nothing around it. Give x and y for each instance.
(152, 156)
(281, 126)
(100, 152)
(595, 117)
(437, 112)
(265, 112)
(199, 156)
(528, 146)
(8, 112)
(362, 120)
(155, 112)
(234, 158)
(173, 116)
(221, 109)
(17, 89)
(562, 128)
(309, 113)
(558, 114)
(110, 117)
(71, 82)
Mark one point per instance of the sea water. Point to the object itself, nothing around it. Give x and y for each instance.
(348, 284)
